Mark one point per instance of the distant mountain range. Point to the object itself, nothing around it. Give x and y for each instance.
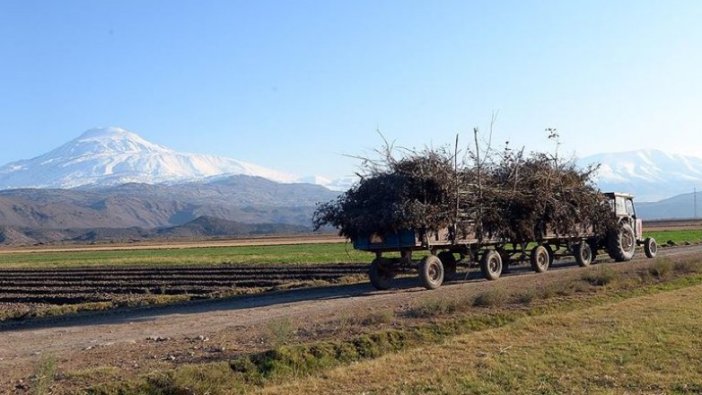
(651, 175)
(114, 156)
(200, 228)
(109, 184)
(241, 205)
(680, 206)
(243, 199)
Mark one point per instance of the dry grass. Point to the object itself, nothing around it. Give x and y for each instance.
(44, 373)
(645, 344)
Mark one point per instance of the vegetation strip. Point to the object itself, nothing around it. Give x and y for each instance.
(645, 344)
(289, 255)
(449, 319)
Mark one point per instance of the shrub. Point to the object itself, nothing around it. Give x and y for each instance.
(491, 298)
(44, 375)
(433, 307)
(378, 317)
(660, 268)
(279, 331)
(599, 276)
(687, 267)
(525, 297)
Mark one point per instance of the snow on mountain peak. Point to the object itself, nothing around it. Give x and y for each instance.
(650, 174)
(110, 132)
(114, 139)
(112, 155)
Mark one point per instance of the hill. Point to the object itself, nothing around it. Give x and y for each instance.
(680, 206)
(243, 199)
(200, 228)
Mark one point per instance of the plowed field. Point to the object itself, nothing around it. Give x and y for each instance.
(23, 289)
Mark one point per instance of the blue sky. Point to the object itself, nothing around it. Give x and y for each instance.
(295, 85)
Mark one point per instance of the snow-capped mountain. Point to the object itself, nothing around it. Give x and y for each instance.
(651, 175)
(112, 156)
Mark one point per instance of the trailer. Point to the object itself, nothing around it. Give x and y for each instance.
(458, 245)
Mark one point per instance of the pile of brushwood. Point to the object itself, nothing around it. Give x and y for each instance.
(508, 196)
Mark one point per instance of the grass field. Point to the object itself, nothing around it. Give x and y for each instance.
(640, 345)
(279, 254)
(288, 254)
(676, 236)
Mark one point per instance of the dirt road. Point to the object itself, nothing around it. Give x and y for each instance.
(198, 331)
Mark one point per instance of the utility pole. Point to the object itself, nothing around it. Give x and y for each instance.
(694, 199)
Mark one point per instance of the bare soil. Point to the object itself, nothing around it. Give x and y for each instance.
(137, 340)
(674, 224)
(34, 287)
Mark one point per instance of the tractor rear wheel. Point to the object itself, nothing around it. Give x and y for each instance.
(621, 245)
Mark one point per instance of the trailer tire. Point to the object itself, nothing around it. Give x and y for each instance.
(491, 265)
(540, 259)
(380, 276)
(431, 272)
(650, 247)
(551, 254)
(583, 254)
(448, 260)
(621, 245)
(593, 249)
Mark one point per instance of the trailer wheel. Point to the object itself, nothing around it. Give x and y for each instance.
(491, 265)
(379, 274)
(540, 259)
(448, 260)
(593, 252)
(551, 254)
(621, 245)
(431, 272)
(650, 247)
(583, 254)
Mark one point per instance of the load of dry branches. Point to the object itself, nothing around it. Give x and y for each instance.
(503, 195)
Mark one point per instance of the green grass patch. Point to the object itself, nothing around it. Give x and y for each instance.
(294, 254)
(44, 373)
(676, 236)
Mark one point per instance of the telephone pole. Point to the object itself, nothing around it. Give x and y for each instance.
(694, 199)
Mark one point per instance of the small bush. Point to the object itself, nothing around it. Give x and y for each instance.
(432, 308)
(687, 267)
(378, 317)
(661, 268)
(491, 298)
(599, 276)
(213, 378)
(44, 375)
(279, 331)
(525, 297)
